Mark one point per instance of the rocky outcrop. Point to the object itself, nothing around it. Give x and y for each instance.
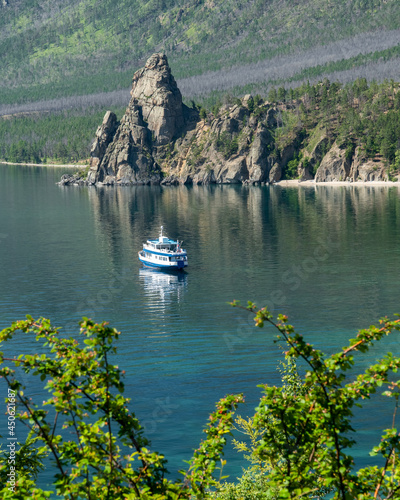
(339, 165)
(159, 140)
(126, 152)
(258, 163)
(128, 158)
(76, 179)
(104, 136)
(335, 166)
(367, 169)
(313, 155)
(155, 92)
(233, 171)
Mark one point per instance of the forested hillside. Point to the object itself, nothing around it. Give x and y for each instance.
(63, 136)
(58, 48)
(63, 63)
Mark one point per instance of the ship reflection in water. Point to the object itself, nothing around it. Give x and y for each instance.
(163, 290)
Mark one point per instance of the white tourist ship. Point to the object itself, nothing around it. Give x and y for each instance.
(163, 253)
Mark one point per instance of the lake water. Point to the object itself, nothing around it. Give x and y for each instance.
(329, 257)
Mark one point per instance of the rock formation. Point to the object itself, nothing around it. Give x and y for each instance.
(335, 166)
(231, 148)
(156, 94)
(160, 140)
(258, 163)
(104, 136)
(126, 153)
(367, 170)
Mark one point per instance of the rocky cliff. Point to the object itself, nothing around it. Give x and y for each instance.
(126, 153)
(160, 140)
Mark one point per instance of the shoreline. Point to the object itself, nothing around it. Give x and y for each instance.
(41, 164)
(281, 183)
(296, 183)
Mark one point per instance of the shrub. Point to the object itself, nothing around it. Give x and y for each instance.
(300, 434)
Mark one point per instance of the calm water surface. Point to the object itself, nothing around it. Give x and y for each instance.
(326, 256)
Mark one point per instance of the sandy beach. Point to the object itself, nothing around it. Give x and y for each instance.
(42, 164)
(297, 183)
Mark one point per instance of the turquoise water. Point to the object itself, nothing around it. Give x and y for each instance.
(326, 256)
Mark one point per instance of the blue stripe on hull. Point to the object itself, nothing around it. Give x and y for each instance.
(161, 266)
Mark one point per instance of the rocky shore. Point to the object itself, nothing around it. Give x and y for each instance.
(160, 140)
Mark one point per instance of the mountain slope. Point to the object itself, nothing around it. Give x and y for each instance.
(55, 48)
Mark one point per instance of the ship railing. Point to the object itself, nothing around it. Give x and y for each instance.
(164, 250)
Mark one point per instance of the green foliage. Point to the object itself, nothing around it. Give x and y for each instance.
(207, 456)
(96, 443)
(227, 144)
(298, 440)
(250, 486)
(272, 95)
(29, 462)
(290, 170)
(353, 115)
(258, 100)
(195, 156)
(64, 136)
(349, 153)
(254, 483)
(281, 94)
(308, 432)
(315, 167)
(251, 105)
(216, 108)
(396, 164)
